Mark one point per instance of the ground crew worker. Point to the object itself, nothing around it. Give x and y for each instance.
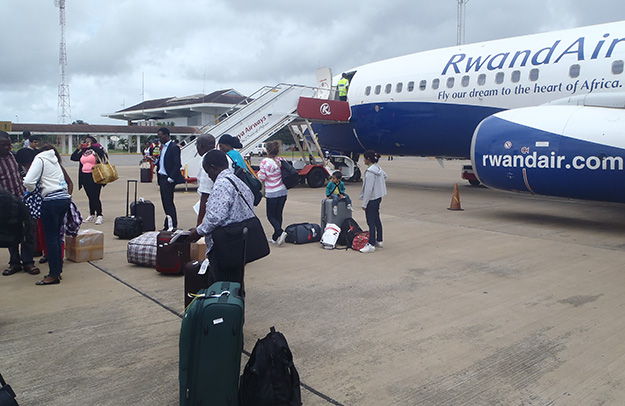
(342, 85)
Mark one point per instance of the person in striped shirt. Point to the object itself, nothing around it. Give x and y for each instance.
(275, 191)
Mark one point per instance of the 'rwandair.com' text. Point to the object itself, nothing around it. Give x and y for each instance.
(553, 161)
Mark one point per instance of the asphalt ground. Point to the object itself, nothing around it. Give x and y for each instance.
(516, 300)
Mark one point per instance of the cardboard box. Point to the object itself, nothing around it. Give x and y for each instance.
(88, 245)
(198, 250)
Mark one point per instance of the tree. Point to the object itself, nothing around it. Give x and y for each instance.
(80, 122)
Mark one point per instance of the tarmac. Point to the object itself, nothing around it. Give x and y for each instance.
(515, 300)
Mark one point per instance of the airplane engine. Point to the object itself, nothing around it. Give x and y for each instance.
(557, 150)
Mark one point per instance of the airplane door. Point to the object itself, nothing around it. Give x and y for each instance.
(324, 83)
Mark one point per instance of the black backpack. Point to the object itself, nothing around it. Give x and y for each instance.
(290, 176)
(251, 181)
(349, 229)
(14, 219)
(270, 377)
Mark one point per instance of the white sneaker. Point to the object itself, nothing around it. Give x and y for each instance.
(367, 248)
(89, 219)
(271, 240)
(99, 220)
(379, 244)
(335, 210)
(282, 238)
(350, 208)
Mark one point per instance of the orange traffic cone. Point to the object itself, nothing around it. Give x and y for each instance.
(455, 199)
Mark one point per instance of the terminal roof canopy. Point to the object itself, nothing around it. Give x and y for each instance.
(188, 106)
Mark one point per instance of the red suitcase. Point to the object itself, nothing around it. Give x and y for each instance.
(173, 251)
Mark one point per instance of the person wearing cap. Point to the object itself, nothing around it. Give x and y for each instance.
(227, 145)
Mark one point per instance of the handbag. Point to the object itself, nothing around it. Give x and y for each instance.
(250, 181)
(104, 172)
(290, 176)
(33, 199)
(228, 240)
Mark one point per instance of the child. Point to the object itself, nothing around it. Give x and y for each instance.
(373, 189)
(336, 190)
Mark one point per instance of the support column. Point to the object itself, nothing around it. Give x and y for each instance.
(139, 146)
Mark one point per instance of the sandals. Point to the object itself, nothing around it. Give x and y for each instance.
(32, 270)
(12, 269)
(54, 281)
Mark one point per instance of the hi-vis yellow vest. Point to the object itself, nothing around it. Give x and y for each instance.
(342, 85)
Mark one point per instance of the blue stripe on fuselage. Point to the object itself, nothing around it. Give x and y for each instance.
(407, 128)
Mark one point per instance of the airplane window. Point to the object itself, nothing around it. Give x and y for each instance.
(423, 84)
(481, 80)
(450, 82)
(410, 86)
(534, 75)
(617, 67)
(574, 71)
(499, 78)
(399, 87)
(516, 76)
(465, 81)
(388, 88)
(435, 83)
(377, 89)
(367, 90)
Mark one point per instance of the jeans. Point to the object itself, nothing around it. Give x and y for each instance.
(52, 214)
(336, 199)
(27, 250)
(372, 212)
(275, 207)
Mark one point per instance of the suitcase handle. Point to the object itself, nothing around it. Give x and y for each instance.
(128, 195)
(225, 292)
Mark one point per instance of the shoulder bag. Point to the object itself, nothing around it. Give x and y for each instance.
(33, 199)
(228, 240)
(104, 172)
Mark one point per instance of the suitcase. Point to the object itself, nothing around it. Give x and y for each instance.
(127, 227)
(327, 215)
(302, 233)
(144, 209)
(141, 250)
(173, 251)
(195, 279)
(146, 172)
(211, 341)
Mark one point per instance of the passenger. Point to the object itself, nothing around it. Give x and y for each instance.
(227, 144)
(275, 191)
(224, 206)
(21, 255)
(46, 169)
(88, 154)
(204, 143)
(373, 189)
(169, 174)
(336, 191)
(343, 85)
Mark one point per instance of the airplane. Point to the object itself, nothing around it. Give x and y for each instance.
(542, 113)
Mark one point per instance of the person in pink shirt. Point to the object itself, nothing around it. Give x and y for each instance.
(275, 191)
(88, 154)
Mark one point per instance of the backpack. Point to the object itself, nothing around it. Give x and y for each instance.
(290, 176)
(269, 377)
(360, 240)
(349, 229)
(14, 219)
(330, 235)
(251, 181)
(302, 233)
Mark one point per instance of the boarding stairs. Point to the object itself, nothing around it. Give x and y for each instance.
(256, 119)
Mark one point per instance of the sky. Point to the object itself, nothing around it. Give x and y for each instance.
(122, 52)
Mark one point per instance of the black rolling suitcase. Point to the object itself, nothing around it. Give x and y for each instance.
(146, 172)
(144, 209)
(195, 279)
(7, 395)
(211, 342)
(128, 227)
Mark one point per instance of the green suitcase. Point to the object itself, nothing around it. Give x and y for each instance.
(211, 341)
